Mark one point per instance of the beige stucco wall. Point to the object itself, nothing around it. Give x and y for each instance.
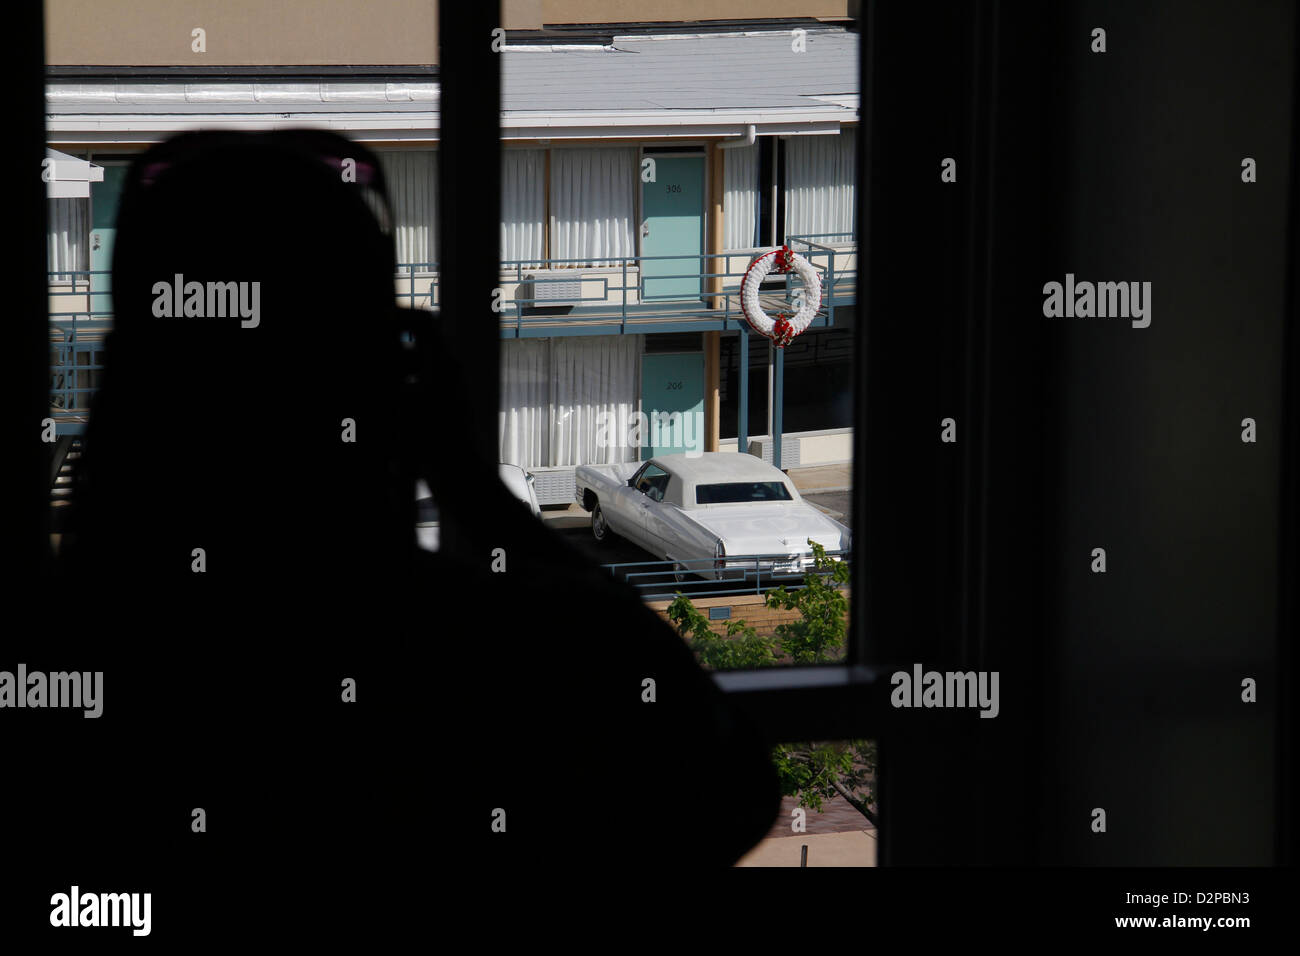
(335, 32)
(240, 32)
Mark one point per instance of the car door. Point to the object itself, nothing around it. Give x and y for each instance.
(664, 522)
(622, 507)
(650, 485)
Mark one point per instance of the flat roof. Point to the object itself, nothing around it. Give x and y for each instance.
(674, 85)
(752, 70)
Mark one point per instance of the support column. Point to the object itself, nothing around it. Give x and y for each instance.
(771, 386)
(712, 390)
(742, 407)
(712, 264)
(778, 401)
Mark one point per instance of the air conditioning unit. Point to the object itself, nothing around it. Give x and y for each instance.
(762, 448)
(554, 485)
(552, 287)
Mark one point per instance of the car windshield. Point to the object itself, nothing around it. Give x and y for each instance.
(735, 491)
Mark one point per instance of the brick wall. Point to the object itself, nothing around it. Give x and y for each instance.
(749, 608)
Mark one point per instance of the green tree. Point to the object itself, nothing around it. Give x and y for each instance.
(811, 771)
(818, 636)
(742, 648)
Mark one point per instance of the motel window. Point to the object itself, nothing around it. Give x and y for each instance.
(523, 205)
(740, 198)
(570, 400)
(412, 177)
(592, 204)
(819, 176)
(813, 176)
(66, 245)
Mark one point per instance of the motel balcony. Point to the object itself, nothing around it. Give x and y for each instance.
(538, 298)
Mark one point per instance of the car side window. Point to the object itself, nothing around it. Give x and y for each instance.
(653, 483)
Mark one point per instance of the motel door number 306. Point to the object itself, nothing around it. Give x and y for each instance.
(674, 187)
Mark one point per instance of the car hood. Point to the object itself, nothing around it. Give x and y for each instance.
(778, 527)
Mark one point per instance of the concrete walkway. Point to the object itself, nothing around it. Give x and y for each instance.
(822, 478)
(566, 518)
(854, 848)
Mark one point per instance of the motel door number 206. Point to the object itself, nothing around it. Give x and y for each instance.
(674, 386)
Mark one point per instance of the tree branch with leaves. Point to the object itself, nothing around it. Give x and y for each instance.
(811, 771)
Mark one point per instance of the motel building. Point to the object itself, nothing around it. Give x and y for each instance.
(645, 166)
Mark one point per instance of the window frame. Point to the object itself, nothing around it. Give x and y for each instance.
(987, 55)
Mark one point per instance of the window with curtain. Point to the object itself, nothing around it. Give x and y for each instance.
(412, 176)
(523, 205)
(819, 179)
(67, 235)
(597, 383)
(592, 203)
(524, 415)
(570, 400)
(740, 197)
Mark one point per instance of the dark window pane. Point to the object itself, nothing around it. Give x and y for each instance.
(734, 491)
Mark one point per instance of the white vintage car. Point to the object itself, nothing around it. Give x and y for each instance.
(707, 512)
(517, 481)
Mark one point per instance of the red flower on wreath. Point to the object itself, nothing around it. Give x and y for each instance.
(781, 331)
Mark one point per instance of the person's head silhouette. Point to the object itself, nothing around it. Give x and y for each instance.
(250, 395)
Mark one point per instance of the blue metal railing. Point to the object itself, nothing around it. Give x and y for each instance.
(822, 256)
(743, 574)
(77, 336)
(407, 271)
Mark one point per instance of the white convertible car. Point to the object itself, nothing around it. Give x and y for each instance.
(704, 512)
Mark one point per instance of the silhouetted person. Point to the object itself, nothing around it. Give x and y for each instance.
(476, 690)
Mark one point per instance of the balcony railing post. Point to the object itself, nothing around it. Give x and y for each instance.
(778, 403)
(830, 288)
(742, 424)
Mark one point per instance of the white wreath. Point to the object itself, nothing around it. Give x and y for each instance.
(780, 330)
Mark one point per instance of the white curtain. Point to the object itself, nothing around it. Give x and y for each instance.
(523, 204)
(596, 380)
(412, 177)
(740, 197)
(570, 400)
(67, 236)
(525, 402)
(819, 175)
(591, 203)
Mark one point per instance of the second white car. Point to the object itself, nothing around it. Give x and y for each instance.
(517, 481)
